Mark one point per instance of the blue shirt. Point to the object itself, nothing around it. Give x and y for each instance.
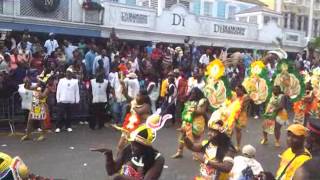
(89, 59)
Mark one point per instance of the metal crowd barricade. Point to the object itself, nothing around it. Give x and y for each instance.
(5, 112)
(17, 114)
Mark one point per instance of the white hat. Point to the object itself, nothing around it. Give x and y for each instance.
(70, 69)
(132, 75)
(280, 53)
(249, 150)
(51, 34)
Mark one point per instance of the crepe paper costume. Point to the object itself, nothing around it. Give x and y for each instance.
(242, 118)
(12, 168)
(228, 113)
(271, 116)
(257, 84)
(315, 82)
(45, 77)
(39, 110)
(217, 86)
(289, 80)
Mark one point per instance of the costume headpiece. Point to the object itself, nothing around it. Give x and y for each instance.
(227, 114)
(258, 69)
(143, 135)
(217, 86)
(287, 73)
(215, 69)
(12, 168)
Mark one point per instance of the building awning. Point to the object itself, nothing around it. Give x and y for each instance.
(49, 28)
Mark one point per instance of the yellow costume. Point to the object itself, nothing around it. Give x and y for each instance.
(216, 89)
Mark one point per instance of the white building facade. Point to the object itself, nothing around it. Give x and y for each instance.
(141, 21)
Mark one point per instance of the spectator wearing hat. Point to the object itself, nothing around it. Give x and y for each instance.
(67, 96)
(51, 44)
(132, 85)
(245, 165)
(310, 169)
(296, 155)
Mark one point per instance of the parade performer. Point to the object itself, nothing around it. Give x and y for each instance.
(12, 168)
(257, 85)
(193, 119)
(303, 107)
(315, 83)
(140, 109)
(138, 160)
(275, 116)
(217, 87)
(218, 152)
(38, 112)
(242, 118)
(289, 80)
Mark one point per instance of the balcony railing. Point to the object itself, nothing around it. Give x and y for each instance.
(66, 10)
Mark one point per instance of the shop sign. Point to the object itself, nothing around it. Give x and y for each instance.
(229, 29)
(134, 18)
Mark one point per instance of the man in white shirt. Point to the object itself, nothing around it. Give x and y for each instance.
(68, 51)
(120, 104)
(132, 85)
(51, 44)
(106, 63)
(205, 58)
(245, 163)
(67, 96)
(25, 93)
(99, 87)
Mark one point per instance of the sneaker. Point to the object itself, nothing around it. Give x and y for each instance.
(237, 148)
(69, 129)
(41, 138)
(81, 123)
(39, 130)
(256, 117)
(25, 137)
(178, 155)
(58, 130)
(264, 141)
(86, 122)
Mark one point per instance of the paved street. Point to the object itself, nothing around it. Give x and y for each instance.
(67, 155)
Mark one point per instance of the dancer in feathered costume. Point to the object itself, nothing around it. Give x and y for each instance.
(257, 84)
(303, 107)
(193, 119)
(217, 87)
